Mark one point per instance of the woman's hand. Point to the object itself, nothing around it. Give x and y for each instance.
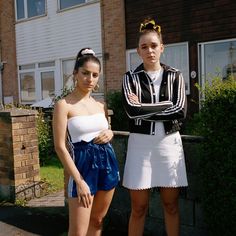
(133, 98)
(84, 194)
(104, 137)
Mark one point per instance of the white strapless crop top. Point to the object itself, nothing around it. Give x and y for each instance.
(86, 127)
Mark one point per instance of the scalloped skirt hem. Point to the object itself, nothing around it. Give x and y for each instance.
(148, 188)
(154, 161)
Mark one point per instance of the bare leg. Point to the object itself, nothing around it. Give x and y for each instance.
(139, 205)
(78, 217)
(101, 203)
(169, 198)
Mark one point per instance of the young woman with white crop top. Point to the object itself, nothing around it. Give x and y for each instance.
(88, 157)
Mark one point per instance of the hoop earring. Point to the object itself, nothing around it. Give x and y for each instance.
(96, 88)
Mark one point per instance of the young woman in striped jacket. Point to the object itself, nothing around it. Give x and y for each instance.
(155, 102)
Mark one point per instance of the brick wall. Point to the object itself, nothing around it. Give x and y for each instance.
(8, 50)
(113, 38)
(19, 155)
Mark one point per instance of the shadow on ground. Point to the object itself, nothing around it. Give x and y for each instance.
(45, 221)
(34, 221)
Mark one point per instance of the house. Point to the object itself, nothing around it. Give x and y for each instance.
(42, 44)
(39, 42)
(199, 38)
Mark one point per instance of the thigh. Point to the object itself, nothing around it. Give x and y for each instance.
(101, 203)
(78, 216)
(139, 198)
(169, 195)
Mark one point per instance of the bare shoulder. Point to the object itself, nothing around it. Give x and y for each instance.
(60, 103)
(101, 104)
(104, 107)
(61, 106)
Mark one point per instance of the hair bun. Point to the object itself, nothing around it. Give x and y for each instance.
(149, 25)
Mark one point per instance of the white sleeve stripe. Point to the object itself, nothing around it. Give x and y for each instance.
(180, 98)
(127, 90)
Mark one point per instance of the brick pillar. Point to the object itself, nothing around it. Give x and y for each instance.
(114, 43)
(19, 155)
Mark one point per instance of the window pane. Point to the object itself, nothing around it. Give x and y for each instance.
(20, 9)
(177, 57)
(220, 60)
(36, 7)
(67, 70)
(27, 85)
(70, 3)
(135, 60)
(47, 64)
(47, 83)
(26, 67)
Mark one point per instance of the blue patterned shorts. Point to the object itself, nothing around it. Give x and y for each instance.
(98, 166)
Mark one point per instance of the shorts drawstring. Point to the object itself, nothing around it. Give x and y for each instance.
(100, 161)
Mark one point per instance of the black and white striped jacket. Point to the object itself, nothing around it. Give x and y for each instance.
(170, 109)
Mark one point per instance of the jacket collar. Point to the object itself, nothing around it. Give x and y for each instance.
(140, 68)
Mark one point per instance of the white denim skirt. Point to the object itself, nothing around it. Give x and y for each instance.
(154, 161)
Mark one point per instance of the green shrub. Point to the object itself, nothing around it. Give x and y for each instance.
(45, 138)
(119, 120)
(216, 122)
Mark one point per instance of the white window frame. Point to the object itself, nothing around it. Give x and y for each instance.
(37, 78)
(201, 58)
(26, 11)
(185, 71)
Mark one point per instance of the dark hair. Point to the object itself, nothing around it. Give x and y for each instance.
(83, 56)
(148, 25)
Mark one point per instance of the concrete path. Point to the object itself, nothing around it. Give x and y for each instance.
(44, 216)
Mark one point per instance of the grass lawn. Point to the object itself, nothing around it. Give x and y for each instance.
(53, 174)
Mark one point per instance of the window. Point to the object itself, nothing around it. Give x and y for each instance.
(27, 87)
(217, 58)
(63, 4)
(47, 84)
(175, 55)
(29, 8)
(26, 67)
(46, 64)
(37, 81)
